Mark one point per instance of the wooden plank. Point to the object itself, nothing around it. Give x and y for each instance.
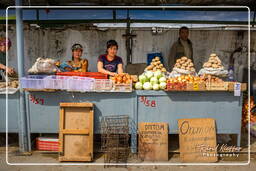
(91, 125)
(76, 132)
(61, 125)
(76, 146)
(153, 141)
(197, 139)
(44, 90)
(76, 104)
(73, 131)
(231, 86)
(76, 118)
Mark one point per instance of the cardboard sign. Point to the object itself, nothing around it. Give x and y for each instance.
(153, 141)
(197, 139)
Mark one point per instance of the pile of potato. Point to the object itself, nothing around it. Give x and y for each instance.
(213, 62)
(156, 65)
(185, 64)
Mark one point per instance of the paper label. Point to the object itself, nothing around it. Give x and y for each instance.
(237, 89)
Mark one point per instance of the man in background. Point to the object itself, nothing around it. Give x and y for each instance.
(182, 47)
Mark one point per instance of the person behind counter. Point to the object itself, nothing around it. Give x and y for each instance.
(77, 64)
(182, 47)
(5, 45)
(110, 63)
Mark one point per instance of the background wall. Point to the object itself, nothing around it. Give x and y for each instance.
(57, 44)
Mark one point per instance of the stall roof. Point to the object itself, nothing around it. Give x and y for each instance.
(250, 3)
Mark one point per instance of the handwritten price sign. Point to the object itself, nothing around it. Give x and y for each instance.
(146, 102)
(36, 100)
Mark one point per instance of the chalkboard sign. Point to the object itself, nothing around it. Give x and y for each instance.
(197, 139)
(153, 141)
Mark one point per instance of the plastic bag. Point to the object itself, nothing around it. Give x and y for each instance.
(212, 71)
(43, 65)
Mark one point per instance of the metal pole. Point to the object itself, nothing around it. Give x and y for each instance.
(22, 122)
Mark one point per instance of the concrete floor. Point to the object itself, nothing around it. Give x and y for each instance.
(51, 158)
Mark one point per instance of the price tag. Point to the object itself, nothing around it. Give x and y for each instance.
(237, 89)
(196, 87)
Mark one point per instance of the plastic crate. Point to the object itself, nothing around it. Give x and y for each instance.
(103, 85)
(56, 82)
(47, 144)
(95, 75)
(33, 82)
(151, 56)
(122, 87)
(80, 84)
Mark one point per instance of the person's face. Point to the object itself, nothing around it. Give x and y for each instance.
(4, 48)
(184, 34)
(77, 53)
(112, 51)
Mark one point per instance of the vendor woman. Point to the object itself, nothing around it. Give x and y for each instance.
(77, 64)
(5, 45)
(110, 63)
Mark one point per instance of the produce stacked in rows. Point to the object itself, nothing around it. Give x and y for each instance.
(180, 83)
(122, 78)
(184, 63)
(151, 81)
(213, 62)
(156, 65)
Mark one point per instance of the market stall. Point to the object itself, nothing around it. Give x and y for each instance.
(155, 96)
(167, 107)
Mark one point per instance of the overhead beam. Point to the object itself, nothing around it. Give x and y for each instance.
(124, 21)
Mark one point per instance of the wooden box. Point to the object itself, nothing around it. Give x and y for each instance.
(217, 86)
(196, 87)
(231, 86)
(122, 87)
(76, 132)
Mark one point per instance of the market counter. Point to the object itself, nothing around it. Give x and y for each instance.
(140, 106)
(13, 111)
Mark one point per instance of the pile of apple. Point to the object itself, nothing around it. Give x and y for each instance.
(151, 81)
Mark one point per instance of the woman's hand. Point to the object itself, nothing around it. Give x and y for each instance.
(9, 70)
(112, 74)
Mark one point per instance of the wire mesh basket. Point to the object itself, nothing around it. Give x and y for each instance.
(115, 138)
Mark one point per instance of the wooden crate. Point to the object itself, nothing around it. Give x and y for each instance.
(123, 87)
(196, 87)
(76, 132)
(217, 86)
(231, 86)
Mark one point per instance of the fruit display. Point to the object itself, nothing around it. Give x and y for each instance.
(211, 78)
(213, 62)
(181, 82)
(151, 81)
(122, 78)
(156, 65)
(185, 63)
